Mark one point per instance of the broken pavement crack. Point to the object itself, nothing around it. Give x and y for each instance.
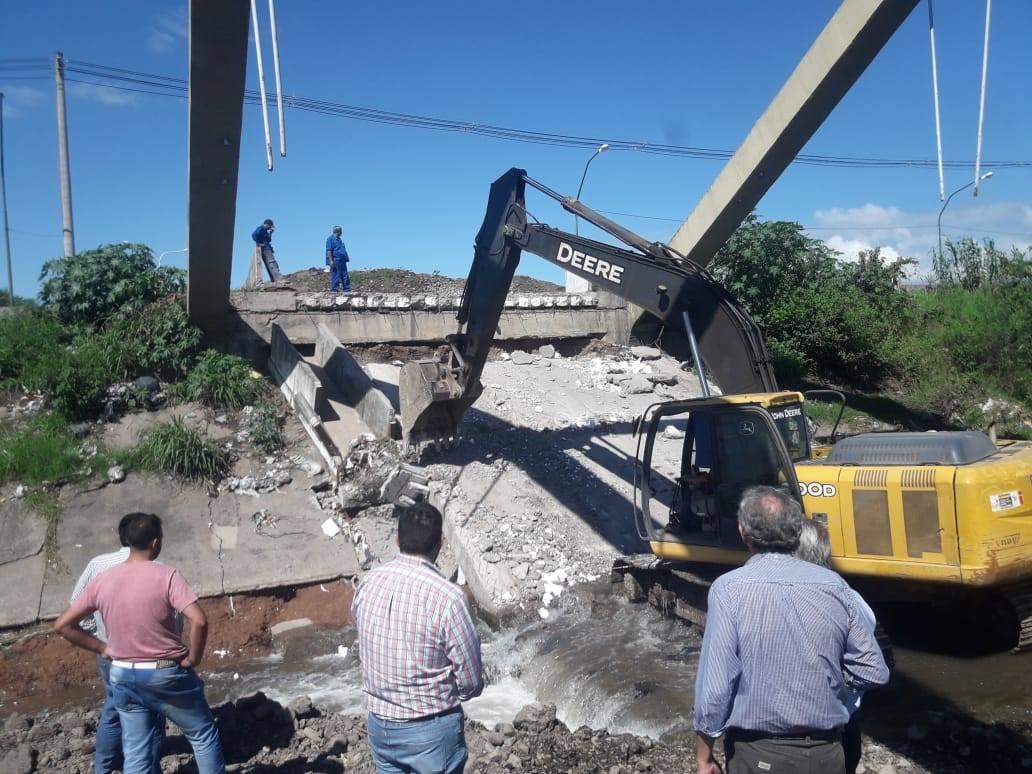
(222, 566)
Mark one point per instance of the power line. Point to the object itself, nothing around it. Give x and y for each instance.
(161, 85)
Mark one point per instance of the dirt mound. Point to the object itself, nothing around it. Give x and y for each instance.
(401, 281)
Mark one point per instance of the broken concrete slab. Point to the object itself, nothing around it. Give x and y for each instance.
(646, 353)
(636, 385)
(215, 542)
(20, 585)
(356, 385)
(519, 357)
(21, 533)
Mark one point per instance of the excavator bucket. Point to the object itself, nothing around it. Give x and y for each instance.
(432, 402)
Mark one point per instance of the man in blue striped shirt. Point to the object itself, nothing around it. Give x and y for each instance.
(785, 646)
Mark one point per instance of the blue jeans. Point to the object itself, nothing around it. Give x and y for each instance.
(142, 696)
(435, 746)
(339, 279)
(108, 755)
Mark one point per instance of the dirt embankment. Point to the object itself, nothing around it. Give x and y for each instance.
(39, 669)
(410, 283)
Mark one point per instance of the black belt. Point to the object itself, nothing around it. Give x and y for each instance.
(813, 735)
(422, 718)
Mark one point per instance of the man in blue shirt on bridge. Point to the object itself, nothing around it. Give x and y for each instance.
(337, 260)
(786, 646)
(262, 237)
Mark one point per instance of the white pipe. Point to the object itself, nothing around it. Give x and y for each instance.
(279, 85)
(261, 85)
(981, 101)
(935, 95)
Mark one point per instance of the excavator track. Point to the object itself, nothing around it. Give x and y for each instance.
(1020, 597)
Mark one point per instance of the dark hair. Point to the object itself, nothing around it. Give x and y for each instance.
(770, 520)
(419, 528)
(141, 530)
(268, 222)
(123, 524)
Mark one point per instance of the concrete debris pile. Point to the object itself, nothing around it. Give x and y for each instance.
(366, 468)
(525, 559)
(262, 735)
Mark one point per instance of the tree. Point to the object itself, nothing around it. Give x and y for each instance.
(91, 287)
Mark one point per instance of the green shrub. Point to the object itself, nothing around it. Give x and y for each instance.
(221, 381)
(820, 316)
(42, 449)
(265, 427)
(93, 286)
(173, 448)
(31, 344)
(159, 339)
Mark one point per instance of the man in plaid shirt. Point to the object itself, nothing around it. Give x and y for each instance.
(420, 653)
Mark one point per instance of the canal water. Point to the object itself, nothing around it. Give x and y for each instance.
(607, 663)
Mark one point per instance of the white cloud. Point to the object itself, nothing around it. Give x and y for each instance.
(168, 33)
(914, 234)
(105, 95)
(18, 99)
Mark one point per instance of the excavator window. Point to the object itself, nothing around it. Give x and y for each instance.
(791, 423)
(725, 451)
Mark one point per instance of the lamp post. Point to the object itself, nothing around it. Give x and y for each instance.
(169, 252)
(986, 176)
(601, 149)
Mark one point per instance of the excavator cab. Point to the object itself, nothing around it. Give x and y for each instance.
(687, 511)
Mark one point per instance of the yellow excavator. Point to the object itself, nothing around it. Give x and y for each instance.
(917, 513)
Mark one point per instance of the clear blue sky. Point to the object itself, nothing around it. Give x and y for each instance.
(689, 73)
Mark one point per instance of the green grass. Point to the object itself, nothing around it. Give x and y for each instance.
(825, 414)
(265, 428)
(221, 381)
(42, 449)
(173, 448)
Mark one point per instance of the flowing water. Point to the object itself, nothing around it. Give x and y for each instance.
(602, 661)
(606, 663)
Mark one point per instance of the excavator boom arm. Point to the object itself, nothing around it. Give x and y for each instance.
(435, 394)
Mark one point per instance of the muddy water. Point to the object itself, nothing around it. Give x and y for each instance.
(608, 664)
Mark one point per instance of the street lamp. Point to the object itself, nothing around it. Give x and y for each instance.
(184, 250)
(986, 176)
(601, 149)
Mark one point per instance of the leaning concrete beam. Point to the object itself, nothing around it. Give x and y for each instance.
(355, 384)
(303, 391)
(218, 64)
(850, 41)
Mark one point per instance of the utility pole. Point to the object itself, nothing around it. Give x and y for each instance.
(67, 230)
(3, 196)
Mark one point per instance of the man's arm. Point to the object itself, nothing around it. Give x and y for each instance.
(87, 624)
(67, 625)
(862, 661)
(198, 635)
(462, 645)
(705, 763)
(717, 678)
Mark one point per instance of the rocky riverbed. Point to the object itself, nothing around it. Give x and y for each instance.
(261, 735)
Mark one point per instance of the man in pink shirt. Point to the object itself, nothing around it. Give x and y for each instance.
(152, 671)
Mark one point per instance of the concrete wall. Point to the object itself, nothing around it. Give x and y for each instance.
(355, 384)
(303, 392)
(375, 318)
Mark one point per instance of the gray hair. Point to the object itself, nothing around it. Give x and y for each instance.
(814, 544)
(770, 520)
